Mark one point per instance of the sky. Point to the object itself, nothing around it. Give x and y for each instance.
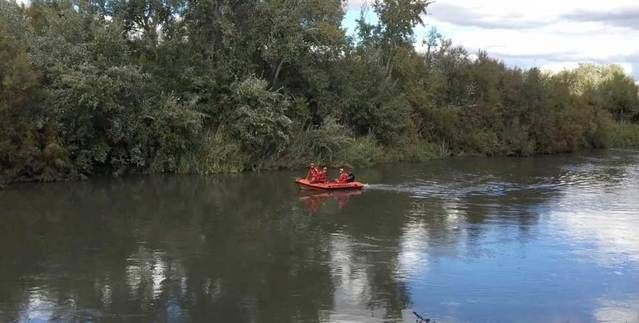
(550, 34)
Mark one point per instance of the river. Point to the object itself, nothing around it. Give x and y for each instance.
(544, 239)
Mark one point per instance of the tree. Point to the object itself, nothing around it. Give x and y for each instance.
(28, 147)
(619, 95)
(398, 18)
(112, 86)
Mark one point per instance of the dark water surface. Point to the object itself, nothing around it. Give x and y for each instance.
(547, 239)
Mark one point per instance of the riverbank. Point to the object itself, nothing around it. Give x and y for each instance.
(349, 152)
(335, 149)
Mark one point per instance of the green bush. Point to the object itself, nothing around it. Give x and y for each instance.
(29, 147)
(112, 123)
(418, 151)
(362, 151)
(624, 135)
(322, 144)
(257, 121)
(217, 153)
(172, 131)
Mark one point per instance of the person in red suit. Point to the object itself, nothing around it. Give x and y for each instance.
(313, 173)
(322, 177)
(343, 176)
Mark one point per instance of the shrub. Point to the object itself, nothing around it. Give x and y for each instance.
(217, 153)
(363, 151)
(257, 121)
(321, 144)
(418, 151)
(28, 144)
(624, 135)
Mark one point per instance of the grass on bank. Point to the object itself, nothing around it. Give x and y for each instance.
(624, 135)
(332, 145)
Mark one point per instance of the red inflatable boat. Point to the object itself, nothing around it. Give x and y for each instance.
(330, 185)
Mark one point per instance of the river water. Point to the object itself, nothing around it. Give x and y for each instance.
(545, 239)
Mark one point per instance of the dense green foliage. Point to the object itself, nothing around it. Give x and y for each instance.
(625, 135)
(203, 86)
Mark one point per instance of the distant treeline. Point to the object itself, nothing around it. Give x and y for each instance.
(202, 86)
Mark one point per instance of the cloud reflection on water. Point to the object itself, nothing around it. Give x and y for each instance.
(618, 310)
(477, 234)
(592, 211)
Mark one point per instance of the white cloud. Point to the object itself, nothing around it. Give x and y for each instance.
(547, 33)
(357, 4)
(532, 11)
(552, 34)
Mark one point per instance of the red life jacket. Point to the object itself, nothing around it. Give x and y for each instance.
(343, 177)
(312, 174)
(321, 177)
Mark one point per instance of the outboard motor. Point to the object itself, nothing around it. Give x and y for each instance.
(351, 178)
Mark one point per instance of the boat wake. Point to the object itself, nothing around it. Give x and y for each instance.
(432, 189)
